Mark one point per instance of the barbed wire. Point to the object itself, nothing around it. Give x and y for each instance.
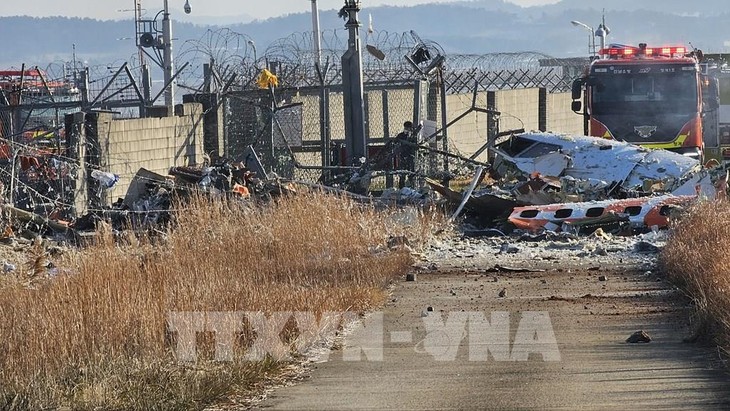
(293, 57)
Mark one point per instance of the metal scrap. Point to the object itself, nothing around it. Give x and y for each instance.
(578, 184)
(467, 194)
(641, 213)
(486, 205)
(596, 168)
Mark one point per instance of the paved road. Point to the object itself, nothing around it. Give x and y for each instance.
(590, 320)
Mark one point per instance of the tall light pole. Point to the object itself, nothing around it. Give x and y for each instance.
(168, 68)
(150, 37)
(168, 61)
(316, 36)
(591, 38)
(352, 82)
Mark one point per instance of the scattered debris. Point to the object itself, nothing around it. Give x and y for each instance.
(149, 198)
(593, 168)
(543, 192)
(488, 205)
(602, 278)
(639, 337)
(646, 247)
(542, 183)
(505, 269)
(489, 232)
(600, 251)
(105, 179)
(478, 175)
(508, 248)
(398, 241)
(8, 267)
(600, 234)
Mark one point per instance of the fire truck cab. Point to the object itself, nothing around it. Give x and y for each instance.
(656, 97)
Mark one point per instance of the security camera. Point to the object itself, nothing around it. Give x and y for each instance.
(187, 7)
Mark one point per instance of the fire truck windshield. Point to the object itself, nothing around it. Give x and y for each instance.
(649, 93)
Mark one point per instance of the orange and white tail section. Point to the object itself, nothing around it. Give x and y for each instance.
(642, 212)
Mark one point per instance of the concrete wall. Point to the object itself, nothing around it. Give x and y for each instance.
(560, 118)
(213, 133)
(152, 143)
(470, 133)
(519, 108)
(531, 109)
(124, 146)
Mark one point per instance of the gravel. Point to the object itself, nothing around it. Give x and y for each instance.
(550, 251)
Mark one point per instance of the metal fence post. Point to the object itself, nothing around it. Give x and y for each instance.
(388, 138)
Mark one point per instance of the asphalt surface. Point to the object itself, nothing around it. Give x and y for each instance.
(588, 365)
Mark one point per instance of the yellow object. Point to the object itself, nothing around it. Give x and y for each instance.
(267, 79)
(672, 144)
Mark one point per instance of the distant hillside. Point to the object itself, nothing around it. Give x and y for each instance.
(213, 20)
(678, 7)
(482, 26)
(39, 41)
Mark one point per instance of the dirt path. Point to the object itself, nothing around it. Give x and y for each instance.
(589, 318)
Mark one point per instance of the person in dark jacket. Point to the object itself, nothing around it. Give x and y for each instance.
(406, 152)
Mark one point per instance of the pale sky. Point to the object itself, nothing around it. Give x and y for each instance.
(114, 9)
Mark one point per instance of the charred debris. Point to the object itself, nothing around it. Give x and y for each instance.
(534, 183)
(577, 184)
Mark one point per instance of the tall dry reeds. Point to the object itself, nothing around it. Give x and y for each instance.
(95, 336)
(697, 258)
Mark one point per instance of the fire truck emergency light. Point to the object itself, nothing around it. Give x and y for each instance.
(648, 51)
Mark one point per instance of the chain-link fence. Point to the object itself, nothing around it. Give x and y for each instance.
(298, 128)
(37, 173)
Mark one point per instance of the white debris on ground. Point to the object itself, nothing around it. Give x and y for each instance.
(544, 251)
(600, 162)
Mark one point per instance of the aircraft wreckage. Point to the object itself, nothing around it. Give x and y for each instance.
(560, 182)
(597, 165)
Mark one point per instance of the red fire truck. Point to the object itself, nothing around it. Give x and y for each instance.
(656, 97)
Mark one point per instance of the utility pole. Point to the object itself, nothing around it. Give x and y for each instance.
(148, 36)
(316, 35)
(144, 67)
(167, 60)
(324, 123)
(137, 18)
(352, 82)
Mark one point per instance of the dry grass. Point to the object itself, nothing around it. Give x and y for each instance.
(697, 258)
(95, 337)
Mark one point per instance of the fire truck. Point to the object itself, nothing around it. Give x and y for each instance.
(718, 66)
(657, 97)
